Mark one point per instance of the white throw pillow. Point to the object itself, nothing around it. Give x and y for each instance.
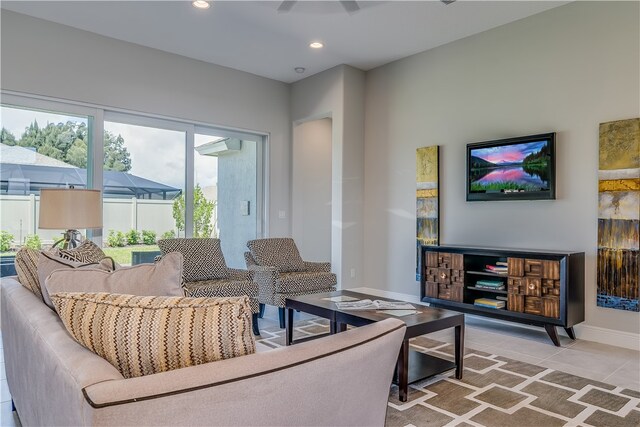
(161, 279)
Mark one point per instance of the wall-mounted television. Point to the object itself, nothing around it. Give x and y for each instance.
(521, 168)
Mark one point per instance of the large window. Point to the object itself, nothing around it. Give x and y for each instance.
(38, 149)
(159, 178)
(143, 188)
(226, 191)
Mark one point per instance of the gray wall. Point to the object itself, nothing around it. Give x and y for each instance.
(237, 183)
(44, 58)
(311, 189)
(565, 70)
(338, 93)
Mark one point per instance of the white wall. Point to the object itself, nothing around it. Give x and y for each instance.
(338, 93)
(565, 70)
(311, 189)
(44, 58)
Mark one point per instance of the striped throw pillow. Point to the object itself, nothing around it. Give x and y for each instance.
(26, 263)
(142, 335)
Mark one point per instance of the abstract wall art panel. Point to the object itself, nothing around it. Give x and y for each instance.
(427, 203)
(619, 215)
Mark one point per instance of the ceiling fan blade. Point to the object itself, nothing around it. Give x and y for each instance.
(350, 6)
(286, 6)
(447, 1)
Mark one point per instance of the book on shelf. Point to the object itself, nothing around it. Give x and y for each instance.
(488, 302)
(489, 306)
(502, 263)
(490, 288)
(497, 269)
(490, 283)
(498, 272)
(501, 298)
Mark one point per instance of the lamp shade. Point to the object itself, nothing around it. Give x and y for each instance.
(70, 209)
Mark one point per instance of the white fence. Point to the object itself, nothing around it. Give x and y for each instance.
(19, 216)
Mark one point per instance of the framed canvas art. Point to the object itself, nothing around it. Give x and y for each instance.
(427, 200)
(619, 215)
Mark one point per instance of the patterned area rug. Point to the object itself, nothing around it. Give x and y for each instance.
(495, 391)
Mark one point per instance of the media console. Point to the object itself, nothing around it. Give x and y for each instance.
(541, 288)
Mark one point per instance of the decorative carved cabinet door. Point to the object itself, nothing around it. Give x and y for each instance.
(445, 275)
(534, 286)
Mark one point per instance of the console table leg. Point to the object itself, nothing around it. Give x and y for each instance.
(281, 316)
(403, 371)
(459, 355)
(289, 330)
(553, 334)
(570, 332)
(261, 315)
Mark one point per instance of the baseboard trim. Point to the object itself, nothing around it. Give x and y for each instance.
(608, 336)
(583, 331)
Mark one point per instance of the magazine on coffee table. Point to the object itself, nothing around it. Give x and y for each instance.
(340, 298)
(367, 304)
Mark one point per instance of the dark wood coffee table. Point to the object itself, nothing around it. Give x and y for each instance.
(412, 365)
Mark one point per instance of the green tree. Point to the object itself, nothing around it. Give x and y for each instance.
(68, 142)
(7, 137)
(77, 154)
(116, 155)
(203, 213)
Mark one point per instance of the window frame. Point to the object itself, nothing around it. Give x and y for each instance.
(97, 115)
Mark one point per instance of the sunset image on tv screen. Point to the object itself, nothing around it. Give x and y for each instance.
(512, 168)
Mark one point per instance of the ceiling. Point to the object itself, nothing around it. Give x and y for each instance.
(253, 36)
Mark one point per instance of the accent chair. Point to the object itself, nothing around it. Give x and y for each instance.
(280, 272)
(206, 273)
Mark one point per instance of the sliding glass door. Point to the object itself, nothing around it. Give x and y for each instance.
(39, 149)
(226, 190)
(143, 185)
(159, 178)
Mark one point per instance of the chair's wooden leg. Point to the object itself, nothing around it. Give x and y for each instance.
(256, 329)
(281, 315)
(261, 311)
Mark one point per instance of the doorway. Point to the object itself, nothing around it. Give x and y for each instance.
(311, 189)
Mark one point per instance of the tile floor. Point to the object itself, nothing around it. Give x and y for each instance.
(612, 365)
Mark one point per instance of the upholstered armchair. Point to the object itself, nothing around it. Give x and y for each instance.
(280, 272)
(206, 273)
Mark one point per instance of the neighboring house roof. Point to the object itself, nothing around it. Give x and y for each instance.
(28, 156)
(23, 171)
(23, 179)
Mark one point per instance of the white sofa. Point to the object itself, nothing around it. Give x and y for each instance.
(339, 380)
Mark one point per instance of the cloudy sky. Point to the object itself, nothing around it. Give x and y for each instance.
(511, 153)
(156, 154)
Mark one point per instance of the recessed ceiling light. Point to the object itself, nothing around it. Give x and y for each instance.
(201, 4)
(299, 70)
(316, 45)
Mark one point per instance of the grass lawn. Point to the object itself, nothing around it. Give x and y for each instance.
(123, 255)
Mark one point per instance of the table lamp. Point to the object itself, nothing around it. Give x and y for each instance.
(70, 209)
